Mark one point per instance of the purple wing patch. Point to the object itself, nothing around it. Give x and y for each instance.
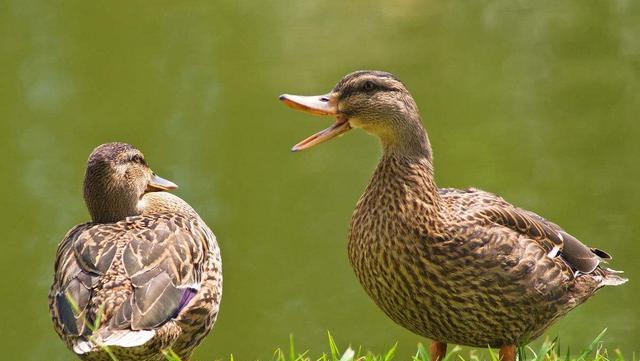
(187, 295)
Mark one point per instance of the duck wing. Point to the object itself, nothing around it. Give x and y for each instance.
(550, 236)
(163, 257)
(165, 261)
(72, 287)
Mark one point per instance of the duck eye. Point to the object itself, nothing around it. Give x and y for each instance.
(137, 159)
(369, 85)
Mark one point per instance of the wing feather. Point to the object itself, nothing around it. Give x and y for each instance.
(72, 287)
(550, 236)
(164, 263)
(162, 256)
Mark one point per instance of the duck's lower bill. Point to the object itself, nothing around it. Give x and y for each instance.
(339, 127)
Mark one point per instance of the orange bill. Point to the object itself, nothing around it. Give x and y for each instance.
(318, 105)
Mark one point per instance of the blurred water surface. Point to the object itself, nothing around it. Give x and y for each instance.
(536, 101)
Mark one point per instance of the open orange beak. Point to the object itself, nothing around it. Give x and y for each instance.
(318, 105)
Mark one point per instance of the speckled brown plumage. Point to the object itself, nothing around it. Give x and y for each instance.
(433, 265)
(456, 266)
(154, 278)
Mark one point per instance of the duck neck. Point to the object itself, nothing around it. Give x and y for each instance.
(407, 159)
(107, 202)
(408, 141)
(403, 134)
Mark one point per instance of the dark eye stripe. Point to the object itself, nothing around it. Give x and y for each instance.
(378, 88)
(138, 159)
(369, 85)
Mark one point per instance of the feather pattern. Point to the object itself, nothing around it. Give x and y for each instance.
(139, 285)
(464, 266)
(550, 236)
(457, 266)
(139, 274)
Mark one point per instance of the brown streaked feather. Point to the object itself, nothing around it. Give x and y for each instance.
(578, 255)
(522, 223)
(456, 266)
(434, 259)
(137, 271)
(162, 261)
(95, 248)
(72, 287)
(155, 299)
(147, 272)
(176, 251)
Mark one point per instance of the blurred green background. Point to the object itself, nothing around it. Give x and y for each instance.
(537, 101)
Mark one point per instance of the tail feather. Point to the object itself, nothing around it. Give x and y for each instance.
(611, 278)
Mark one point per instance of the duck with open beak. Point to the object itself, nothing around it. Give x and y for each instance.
(434, 259)
(319, 105)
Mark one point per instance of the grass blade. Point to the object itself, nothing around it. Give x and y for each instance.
(335, 353)
(591, 346)
(391, 353)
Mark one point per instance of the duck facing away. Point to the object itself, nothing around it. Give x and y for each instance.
(143, 276)
(456, 266)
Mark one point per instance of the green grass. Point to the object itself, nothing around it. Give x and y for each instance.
(548, 351)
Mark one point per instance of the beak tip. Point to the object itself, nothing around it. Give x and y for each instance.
(282, 97)
(159, 184)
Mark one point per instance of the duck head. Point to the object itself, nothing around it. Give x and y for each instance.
(375, 101)
(117, 177)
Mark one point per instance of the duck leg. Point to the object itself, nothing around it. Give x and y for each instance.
(508, 353)
(437, 350)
